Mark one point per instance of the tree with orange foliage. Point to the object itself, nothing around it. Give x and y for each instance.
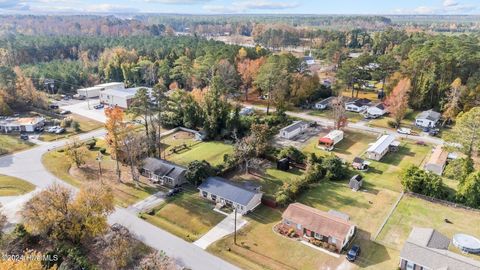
(115, 127)
(248, 70)
(397, 101)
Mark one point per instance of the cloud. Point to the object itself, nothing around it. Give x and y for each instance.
(424, 10)
(246, 6)
(110, 8)
(447, 7)
(178, 2)
(450, 3)
(13, 5)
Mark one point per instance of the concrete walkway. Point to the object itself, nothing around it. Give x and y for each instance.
(148, 203)
(27, 165)
(222, 229)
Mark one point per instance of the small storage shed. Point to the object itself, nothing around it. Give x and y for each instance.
(283, 164)
(356, 182)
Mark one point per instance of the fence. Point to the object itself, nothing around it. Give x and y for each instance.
(442, 202)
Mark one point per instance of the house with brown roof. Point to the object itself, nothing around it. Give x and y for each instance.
(330, 227)
(437, 161)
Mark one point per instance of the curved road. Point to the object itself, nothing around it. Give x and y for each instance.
(27, 165)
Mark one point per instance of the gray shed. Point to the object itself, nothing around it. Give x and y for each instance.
(356, 182)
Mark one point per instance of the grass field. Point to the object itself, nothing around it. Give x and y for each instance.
(271, 179)
(352, 145)
(187, 216)
(12, 186)
(413, 212)
(212, 151)
(258, 247)
(86, 125)
(408, 121)
(12, 143)
(367, 209)
(125, 192)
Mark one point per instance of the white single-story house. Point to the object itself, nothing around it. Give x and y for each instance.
(428, 118)
(437, 161)
(111, 85)
(24, 124)
(227, 193)
(309, 60)
(90, 92)
(358, 105)
(377, 110)
(293, 130)
(163, 172)
(381, 147)
(323, 104)
(121, 97)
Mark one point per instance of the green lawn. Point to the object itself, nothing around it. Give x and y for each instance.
(12, 186)
(125, 192)
(186, 215)
(86, 125)
(271, 179)
(413, 212)
(352, 145)
(212, 152)
(367, 209)
(12, 143)
(408, 121)
(386, 173)
(258, 247)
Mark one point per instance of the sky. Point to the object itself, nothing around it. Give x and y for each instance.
(245, 6)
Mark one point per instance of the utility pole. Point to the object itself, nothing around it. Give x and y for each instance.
(235, 228)
(99, 159)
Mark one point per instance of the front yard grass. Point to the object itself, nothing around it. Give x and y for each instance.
(414, 212)
(125, 192)
(258, 247)
(86, 125)
(408, 121)
(12, 186)
(186, 215)
(12, 143)
(386, 173)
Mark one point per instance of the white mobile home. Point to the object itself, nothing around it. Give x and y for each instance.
(428, 118)
(381, 147)
(323, 104)
(437, 161)
(293, 130)
(331, 139)
(227, 193)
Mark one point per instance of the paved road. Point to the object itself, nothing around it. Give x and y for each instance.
(27, 165)
(361, 126)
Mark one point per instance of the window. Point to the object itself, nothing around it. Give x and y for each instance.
(204, 194)
(318, 236)
(410, 266)
(334, 241)
(299, 226)
(214, 197)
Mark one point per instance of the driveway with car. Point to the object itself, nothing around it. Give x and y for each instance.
(86, 109)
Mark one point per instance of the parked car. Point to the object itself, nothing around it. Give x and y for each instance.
(174, 191)
(52, 129)
(406, 131)
(59, 130)
(54, 106)
(433, 132)
(98, 106)
(353, 253)
(39, 129)
(24, 136)
(65, 112)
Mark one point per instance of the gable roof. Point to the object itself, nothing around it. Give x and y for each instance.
(360, 102)
(429, 115)
(358, 160)
(381, 144)
(379, 106)
(326, 101)
(438, 157)
(163, 168)
(429, 248)
(227, 190)
(321, 222)
(294, 126)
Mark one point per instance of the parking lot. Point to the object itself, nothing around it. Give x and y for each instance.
(84, 108)
(302, 139)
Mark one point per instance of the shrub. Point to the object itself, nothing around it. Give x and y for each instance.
(103, 150)
(392, 124)
(75, 125)
(293, 153)
(91, 144)
(67, 122)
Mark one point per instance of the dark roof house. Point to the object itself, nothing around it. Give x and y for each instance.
(163, 172)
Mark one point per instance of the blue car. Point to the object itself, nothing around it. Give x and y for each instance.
(353, 253)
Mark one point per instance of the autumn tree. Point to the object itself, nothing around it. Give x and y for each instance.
(76, 151)
(249, 149)
(397, 101)
(453, 107)
(26, 93)
(248, 70)
(229, 75)
(339, 114)
(273, 79)
(133, 147)
(58, 214)
(115, 128)
(157, 260)
(466, 132)
(118, 250)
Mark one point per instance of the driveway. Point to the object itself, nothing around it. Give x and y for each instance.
(224, 228)
(85, 108)
(27, 165)
(147, 203)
